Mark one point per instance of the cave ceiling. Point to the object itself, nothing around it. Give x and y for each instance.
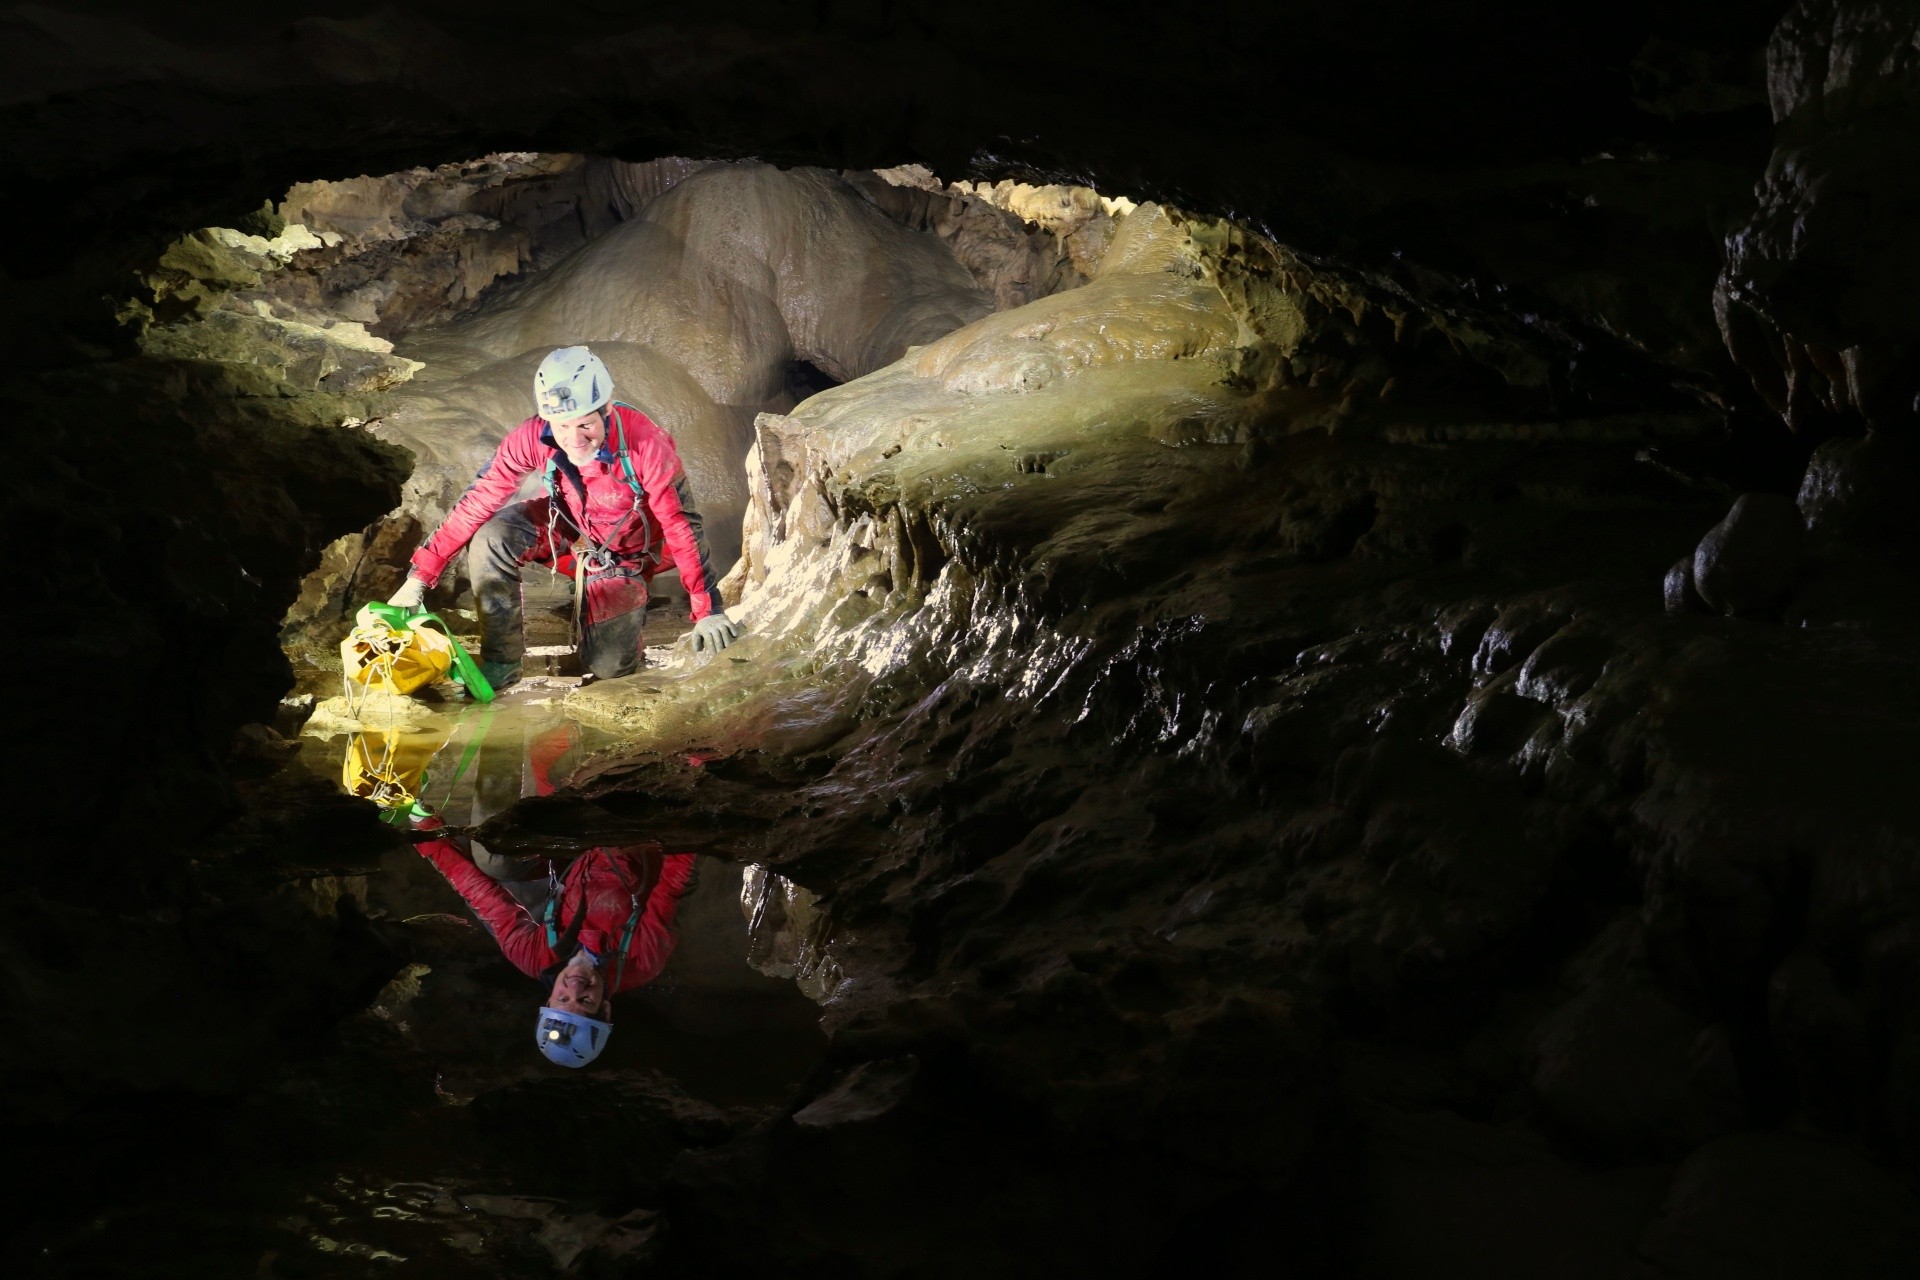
(1467, 141)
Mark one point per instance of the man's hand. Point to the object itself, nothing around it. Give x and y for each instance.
(410, 595)
(713, 633)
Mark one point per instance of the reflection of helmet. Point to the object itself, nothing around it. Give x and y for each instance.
(569, 1039)
(571, 383)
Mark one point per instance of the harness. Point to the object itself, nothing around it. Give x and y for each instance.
(599, 555)
(553, 931)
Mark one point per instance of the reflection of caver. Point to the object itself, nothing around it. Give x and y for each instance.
(604, 926)
(615, 513)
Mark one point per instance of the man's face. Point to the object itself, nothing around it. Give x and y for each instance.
(580, 989)
(580, 438)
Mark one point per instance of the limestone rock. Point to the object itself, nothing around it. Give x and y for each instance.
(262, 743)
(864, 1093)
(1014, 260)
(1747, 563)
(1625, 1072)
(1848, 583)
(1829, 359)
(1678, 591)
(1778, 1206)
(612, 1127)
(1822, 1029)
(786, 931)
(1861, 489)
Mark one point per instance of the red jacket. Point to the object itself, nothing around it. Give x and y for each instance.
(664, 526)
(605, 883)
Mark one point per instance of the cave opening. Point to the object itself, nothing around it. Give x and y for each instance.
(1345, 711)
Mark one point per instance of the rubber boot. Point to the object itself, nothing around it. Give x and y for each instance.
(501, 675)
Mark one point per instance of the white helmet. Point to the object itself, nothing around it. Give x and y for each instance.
(571, 383)
(569, 1038)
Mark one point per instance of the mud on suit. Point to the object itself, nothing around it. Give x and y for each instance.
(631, 499)
(605, 896)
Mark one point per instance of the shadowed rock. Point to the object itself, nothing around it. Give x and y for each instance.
(1747, 563)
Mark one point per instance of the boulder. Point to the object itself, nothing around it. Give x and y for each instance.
(1679, 590)
(1860, 489)
(1765, 1205)
(1748, 562)
(1626, 1072)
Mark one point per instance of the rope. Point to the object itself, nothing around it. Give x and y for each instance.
(579, 596)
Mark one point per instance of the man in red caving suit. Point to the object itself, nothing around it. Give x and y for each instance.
(616, 512)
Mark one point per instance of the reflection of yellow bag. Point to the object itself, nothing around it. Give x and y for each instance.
(399, 659)
(388, 768)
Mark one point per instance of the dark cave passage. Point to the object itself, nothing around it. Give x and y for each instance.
(1324, 675)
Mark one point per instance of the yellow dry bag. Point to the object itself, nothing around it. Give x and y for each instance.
(392, 651)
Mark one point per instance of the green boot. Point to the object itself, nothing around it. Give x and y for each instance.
(500, 674)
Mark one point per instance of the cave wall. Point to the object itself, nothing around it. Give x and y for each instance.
(1216, 767)
(1468, 810)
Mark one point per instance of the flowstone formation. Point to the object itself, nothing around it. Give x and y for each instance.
(714, 292)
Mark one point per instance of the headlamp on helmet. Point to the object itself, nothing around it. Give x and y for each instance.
(570, 1039)
(571, 383)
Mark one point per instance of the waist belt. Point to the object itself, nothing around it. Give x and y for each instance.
(604, 559)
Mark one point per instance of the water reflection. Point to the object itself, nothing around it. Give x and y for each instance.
(588, 928)
(466, 764)
(633, 936)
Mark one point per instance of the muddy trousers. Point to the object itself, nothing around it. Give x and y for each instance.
(613, 619)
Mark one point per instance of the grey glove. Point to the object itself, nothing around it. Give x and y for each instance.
(714, 632)
(410, 595)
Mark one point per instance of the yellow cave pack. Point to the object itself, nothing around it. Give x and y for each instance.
(396, 652)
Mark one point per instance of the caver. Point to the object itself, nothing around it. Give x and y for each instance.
(616, 511)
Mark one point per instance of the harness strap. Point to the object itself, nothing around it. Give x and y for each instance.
(586, 546)
(579, 594)
(633, 481)
(626, 935)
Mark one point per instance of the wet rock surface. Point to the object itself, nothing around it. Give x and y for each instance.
(1211, 737)
(1095, 798)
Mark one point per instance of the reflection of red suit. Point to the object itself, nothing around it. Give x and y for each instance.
(603, 883)
(549, 750)
(600, 892)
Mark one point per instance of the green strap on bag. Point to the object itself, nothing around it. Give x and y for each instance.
(465, 672)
